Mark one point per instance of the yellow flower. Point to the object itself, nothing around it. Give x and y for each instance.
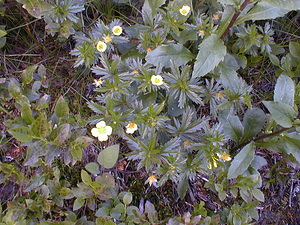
(185, 10)
(212, 165)
(216, 16)
(98, 82)
(225, 156)
(157, 80)
(107, 39)
(101, 131)
(152, 180)
(149, 49)
(117, 30)
(186, 143)
(131, 128)
(135, 72)
(101, 46)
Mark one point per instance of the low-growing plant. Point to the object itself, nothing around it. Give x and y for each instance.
(176, 88)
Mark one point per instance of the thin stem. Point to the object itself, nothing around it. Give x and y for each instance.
(4, 110)
(260, 138)
(23, 25)
(234, 18)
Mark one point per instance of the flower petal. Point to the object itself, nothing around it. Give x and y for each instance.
(95, 132)
(108, 130)
(101, 124)
(102, 137)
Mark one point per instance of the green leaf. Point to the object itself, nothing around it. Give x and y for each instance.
(27, 74)
(151, 212)
(93, 168)
(149, 10)
(63, 133)
(83, 141)
(254, 121)
(233, 128)
(284, 90)
(211, 52)
(23, 134)
(294, 49)
(182, 187)
(2, 33)
(292, 143)
(258, 194)
(36, 8)
(78, 203)
(241, 161)
(165, 53)
(40, 126)
(85, 177)
(127, 198)
(76, 152)
(262, 11)
(284, 4)
(109, 156)
(61, 108)
(26, 113)
(282, 113)
(14, 89)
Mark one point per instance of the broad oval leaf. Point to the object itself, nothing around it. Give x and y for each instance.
(282, 113)
(23, 134)
(109, 156)
(284, 90)
(294, 49)
(262, 11)
(233, 128)
(93, 168)
(241, 161)
(211, 52)
(61, 108)
(254, 121)
(284, 4)
(165, 53)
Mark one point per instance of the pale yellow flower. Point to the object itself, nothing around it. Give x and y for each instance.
(101, 46)
(201, 33)
(135, 72)
(117, 30)
(149, 49)
(157, 80)
(98, 82)
(107, 39)
(185, 10)
(101, 131)
(152, 180)
(225, 156)
(220, 95)
(131, 128)
(216, 16)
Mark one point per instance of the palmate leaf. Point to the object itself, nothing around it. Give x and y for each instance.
(211, 52)
(36, 8)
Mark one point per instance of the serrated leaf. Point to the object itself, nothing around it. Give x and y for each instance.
(211, 52)
(233, 128)
(165, 53)
(254, 121)
(93, 168)
(109, 156)
(241, 161)
(282, 113)
(23, 134)
(27, 74)
(294, 49)
(127, 198)
(61, 108)
(258, 194)
(262, 11)
(284, 90)
(285, 4)
(78, 203)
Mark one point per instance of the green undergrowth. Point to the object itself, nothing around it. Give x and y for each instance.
(149, 112)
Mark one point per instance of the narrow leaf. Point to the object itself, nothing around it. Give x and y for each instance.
(241, 161)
